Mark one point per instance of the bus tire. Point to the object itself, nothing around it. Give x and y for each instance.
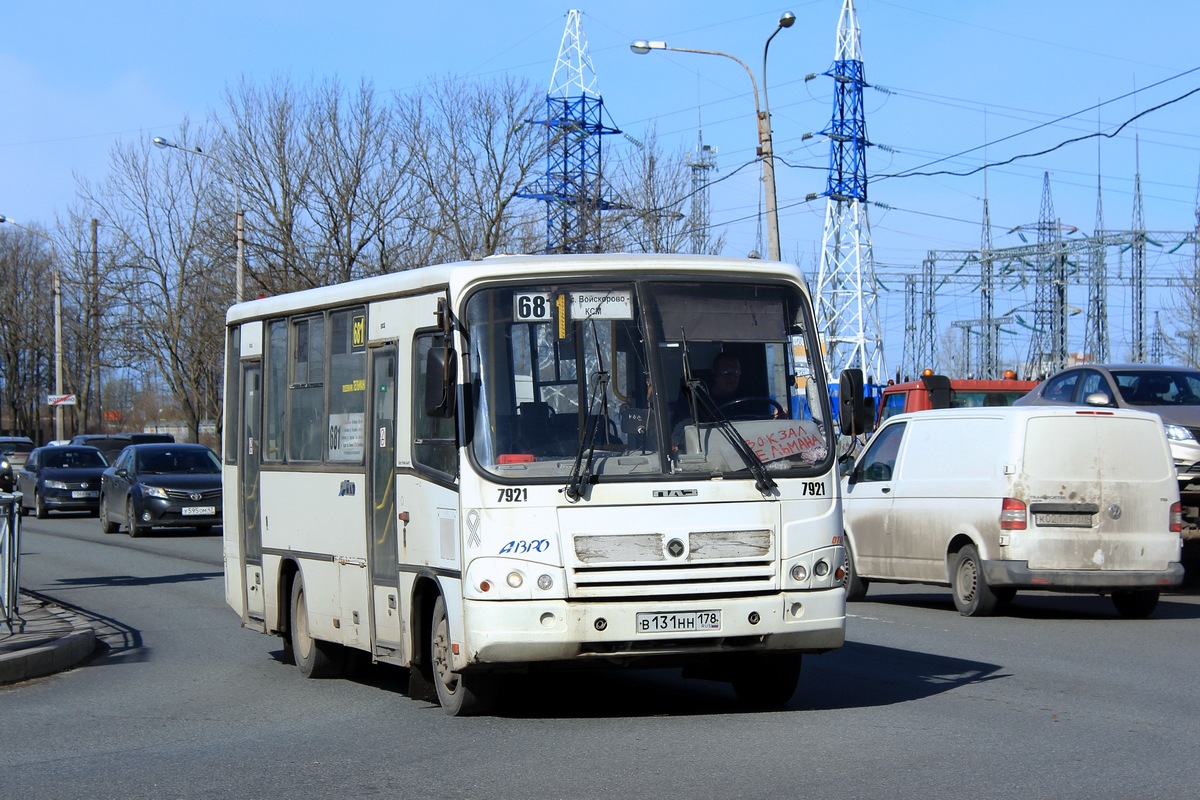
(458, 695)
(106, 525)
(856, 587)
(972, 596)
(767, 681)
(1135, 604)
(315, 658)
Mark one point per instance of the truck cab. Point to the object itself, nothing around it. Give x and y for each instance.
(938, 391)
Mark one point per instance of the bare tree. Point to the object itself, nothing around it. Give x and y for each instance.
(175, 272)
(267, 153)
(653, 188)
(26, 327)
(471, 150)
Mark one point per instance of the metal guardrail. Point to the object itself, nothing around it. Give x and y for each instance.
(10, 556)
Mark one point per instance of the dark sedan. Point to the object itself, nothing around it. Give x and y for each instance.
(161, 486)
(63, 478)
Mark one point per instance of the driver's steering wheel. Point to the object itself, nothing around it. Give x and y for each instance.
(780, 413)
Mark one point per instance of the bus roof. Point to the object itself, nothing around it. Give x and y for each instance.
(458, 275)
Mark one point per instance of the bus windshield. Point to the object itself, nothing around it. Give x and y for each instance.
(682, 378)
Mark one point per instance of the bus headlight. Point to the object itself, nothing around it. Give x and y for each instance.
(515, 579)
(545, 582)
(799, 573)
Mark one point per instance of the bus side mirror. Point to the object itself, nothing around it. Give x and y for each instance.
(854, 412)
(440, 377)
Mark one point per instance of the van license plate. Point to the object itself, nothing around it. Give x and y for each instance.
(1064, 520)
(678, 621)
(198, 511)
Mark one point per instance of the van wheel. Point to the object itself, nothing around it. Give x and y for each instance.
(972, 596)
(1136, 604)
(767, 681)
(315, 658)
(458, 695)
(856, 587)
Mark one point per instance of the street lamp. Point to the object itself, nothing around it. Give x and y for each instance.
(239, 227)
(762, 116)
(58, 350)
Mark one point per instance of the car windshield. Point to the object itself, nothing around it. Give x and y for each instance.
(174, 461)
(645, 378)
(1158, 387)
(73, 459)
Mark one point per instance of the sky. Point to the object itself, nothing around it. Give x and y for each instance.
(952, 85)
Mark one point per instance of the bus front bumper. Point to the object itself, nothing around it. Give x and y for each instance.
(522, 632)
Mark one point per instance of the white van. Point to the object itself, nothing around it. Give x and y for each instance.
(992, 500)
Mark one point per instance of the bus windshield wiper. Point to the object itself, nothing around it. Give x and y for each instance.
(581, 470)
(699, 393)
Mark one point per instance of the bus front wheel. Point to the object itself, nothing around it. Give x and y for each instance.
(315, 658)
(458, 695)
(767, 681)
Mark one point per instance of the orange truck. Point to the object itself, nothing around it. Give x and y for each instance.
(938, 391)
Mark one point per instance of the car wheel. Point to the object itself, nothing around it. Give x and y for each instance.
(856, 587)
(1136, 604)
(131, 522)
(106, 525)
(315, 658)
(972, 596)
(40, 505)
(458, 695)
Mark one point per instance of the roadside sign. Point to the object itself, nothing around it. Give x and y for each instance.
(60, 399)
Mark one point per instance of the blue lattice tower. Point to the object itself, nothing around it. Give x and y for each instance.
(846, 289)
(572, 187)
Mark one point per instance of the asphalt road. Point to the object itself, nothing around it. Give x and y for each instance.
(1056, 698)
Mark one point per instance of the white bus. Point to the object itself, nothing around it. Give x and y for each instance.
(520, 463)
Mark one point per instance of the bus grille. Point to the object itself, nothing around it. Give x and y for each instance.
(702, 562)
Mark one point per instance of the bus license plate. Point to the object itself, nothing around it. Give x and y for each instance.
(678, 621)
(198, 511)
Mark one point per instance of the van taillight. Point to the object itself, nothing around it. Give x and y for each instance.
(1176, 517)
(1012, 515)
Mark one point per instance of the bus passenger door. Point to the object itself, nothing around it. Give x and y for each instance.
(249, 458)
(386, 628)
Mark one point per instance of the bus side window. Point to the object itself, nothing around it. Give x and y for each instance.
(435, 439)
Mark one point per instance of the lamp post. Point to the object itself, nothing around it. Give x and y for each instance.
(58, 350)
(239, 227)
(762, 117)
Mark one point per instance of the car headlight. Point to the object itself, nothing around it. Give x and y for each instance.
(154, 491)
(55, 485)
(1178, 433)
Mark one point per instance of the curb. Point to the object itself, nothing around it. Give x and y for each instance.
(47, 657)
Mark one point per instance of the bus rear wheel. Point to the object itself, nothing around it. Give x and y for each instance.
(315, 658)
(767, 681)
(458, 695)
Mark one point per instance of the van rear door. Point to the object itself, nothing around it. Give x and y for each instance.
(1099, 486)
